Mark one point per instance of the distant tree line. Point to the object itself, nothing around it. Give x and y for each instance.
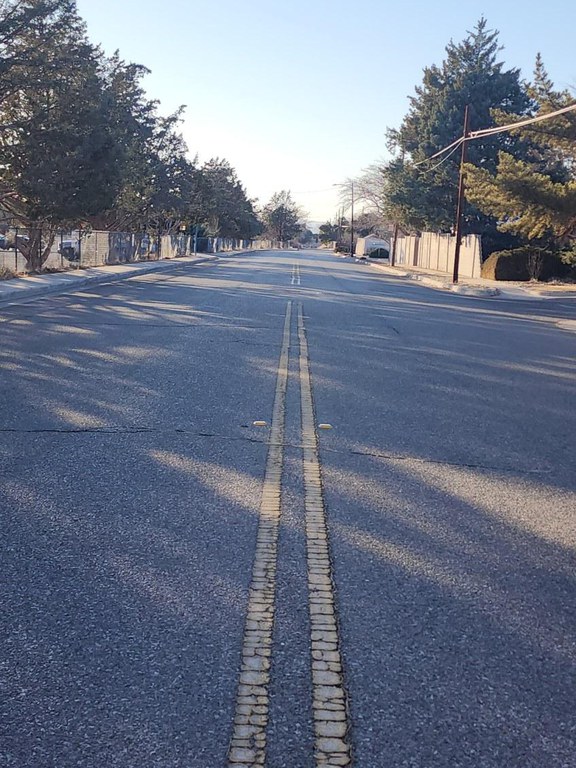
(82, 145)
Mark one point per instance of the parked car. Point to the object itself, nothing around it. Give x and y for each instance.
(8, 243)
(15, 242)
(70, 249)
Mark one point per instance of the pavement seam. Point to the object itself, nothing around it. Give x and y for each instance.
(248, 742)
(330, 705)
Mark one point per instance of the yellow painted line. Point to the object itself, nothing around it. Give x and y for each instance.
(248, 742)
(331, 721)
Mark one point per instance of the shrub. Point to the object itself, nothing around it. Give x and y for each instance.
(6, 273)
(568, 255)
(342, 247)
(527, 263)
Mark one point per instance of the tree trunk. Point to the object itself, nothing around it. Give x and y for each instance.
(35, 250)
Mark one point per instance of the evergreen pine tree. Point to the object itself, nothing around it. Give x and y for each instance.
(424, 196)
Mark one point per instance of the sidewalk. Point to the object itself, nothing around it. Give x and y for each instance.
(22, 289)
(478, 286)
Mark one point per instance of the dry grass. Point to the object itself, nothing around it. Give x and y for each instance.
(6, 273)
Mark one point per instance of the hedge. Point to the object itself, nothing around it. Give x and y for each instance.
(527, 263)
(379, 253)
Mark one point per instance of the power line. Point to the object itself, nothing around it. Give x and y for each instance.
(520, 124)
(448, 156)
(492, 132)
(454, 144)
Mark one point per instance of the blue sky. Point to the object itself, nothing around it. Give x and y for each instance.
(298, 95)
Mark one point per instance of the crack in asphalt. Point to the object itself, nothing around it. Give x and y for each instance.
(267, 443)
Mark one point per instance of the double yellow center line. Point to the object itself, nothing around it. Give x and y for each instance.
(331, 722)
(248, 744)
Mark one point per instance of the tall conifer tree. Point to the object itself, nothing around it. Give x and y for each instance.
(424, 196)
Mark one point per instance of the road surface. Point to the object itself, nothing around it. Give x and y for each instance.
(284, 509)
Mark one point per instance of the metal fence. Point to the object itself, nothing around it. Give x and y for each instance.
(79, 249)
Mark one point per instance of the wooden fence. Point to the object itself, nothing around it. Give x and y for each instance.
(436, 252)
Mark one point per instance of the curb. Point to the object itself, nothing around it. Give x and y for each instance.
(439, 283)
(461, 290)
(70, 282)
(516, 293)
(555, 294)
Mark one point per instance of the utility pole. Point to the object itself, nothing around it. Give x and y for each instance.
(351, 215)
(461, 201)
(393, 253)
(352, 225)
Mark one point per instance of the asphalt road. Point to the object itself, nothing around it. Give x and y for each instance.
(131, 500)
